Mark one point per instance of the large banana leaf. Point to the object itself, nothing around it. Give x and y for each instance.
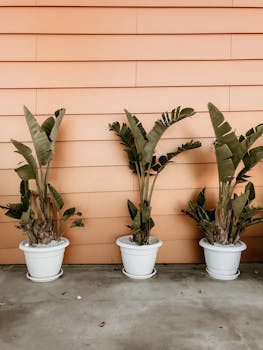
(39, 137)
(138, 134)
(225, 135)
(161, 126)
(225, 165)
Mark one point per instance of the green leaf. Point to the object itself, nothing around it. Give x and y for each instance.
(201, 198)
(161, 126)
(25, 172)
(14, 210)
(39, 137)
(56, 198)
(26, 152)
(48, 125)
(59, 114)
(225, 136)
(132, 209)
(77, 223)
(251, 190)
(239, 203)
(139, 136)
(68, 213)
(225, 165)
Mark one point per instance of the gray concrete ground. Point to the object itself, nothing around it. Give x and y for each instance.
(180, 309)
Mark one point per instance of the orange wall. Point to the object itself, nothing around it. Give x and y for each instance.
(97, 57)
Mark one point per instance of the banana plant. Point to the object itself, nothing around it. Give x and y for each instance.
(140, 148)
(235, 158)
(39, 209)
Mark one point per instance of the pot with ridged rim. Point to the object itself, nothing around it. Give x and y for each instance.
(138, 260)
(222, 261)
(44, 262)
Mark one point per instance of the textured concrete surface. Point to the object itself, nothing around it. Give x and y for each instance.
(98, 308)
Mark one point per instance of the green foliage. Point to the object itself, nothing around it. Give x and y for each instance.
(140, 147)
(234, 212)
(38, 210)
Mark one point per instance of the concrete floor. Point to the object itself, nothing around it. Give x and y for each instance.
(98, 308)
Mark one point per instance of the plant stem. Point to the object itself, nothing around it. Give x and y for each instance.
(152, 188)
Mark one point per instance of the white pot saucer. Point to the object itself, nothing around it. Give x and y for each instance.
(46, 279)
(223, 277)
(145, 277)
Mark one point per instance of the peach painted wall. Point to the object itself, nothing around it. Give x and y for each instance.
(97, 57)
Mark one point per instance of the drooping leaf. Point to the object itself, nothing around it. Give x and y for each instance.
(161, 126)
(56, 198)
(14, 210)
(25, 172)
(26, 152)
(68, 213)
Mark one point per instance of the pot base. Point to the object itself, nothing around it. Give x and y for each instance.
(223, 277)
(46, 279)
(135, 277)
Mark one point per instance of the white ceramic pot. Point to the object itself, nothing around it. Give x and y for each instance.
(44, 263)
(222, 261)
(138, 261)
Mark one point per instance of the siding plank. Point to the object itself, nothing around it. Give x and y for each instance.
(206, 20)
(247, 46)
(200, 73)
(79, 74)
(63, 20)
(121, 3)
(137, 47)
(246, 98)
(17, 47)
(142, 100)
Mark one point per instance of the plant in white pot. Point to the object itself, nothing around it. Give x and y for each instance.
(234, 212)
(139, 250)
(38, 211)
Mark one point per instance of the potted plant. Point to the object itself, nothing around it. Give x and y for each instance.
(139, 250)
(38, 211)
(234, 212)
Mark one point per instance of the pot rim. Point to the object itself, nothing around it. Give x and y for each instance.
(124, 242)
(65, 242)
(239, 246)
